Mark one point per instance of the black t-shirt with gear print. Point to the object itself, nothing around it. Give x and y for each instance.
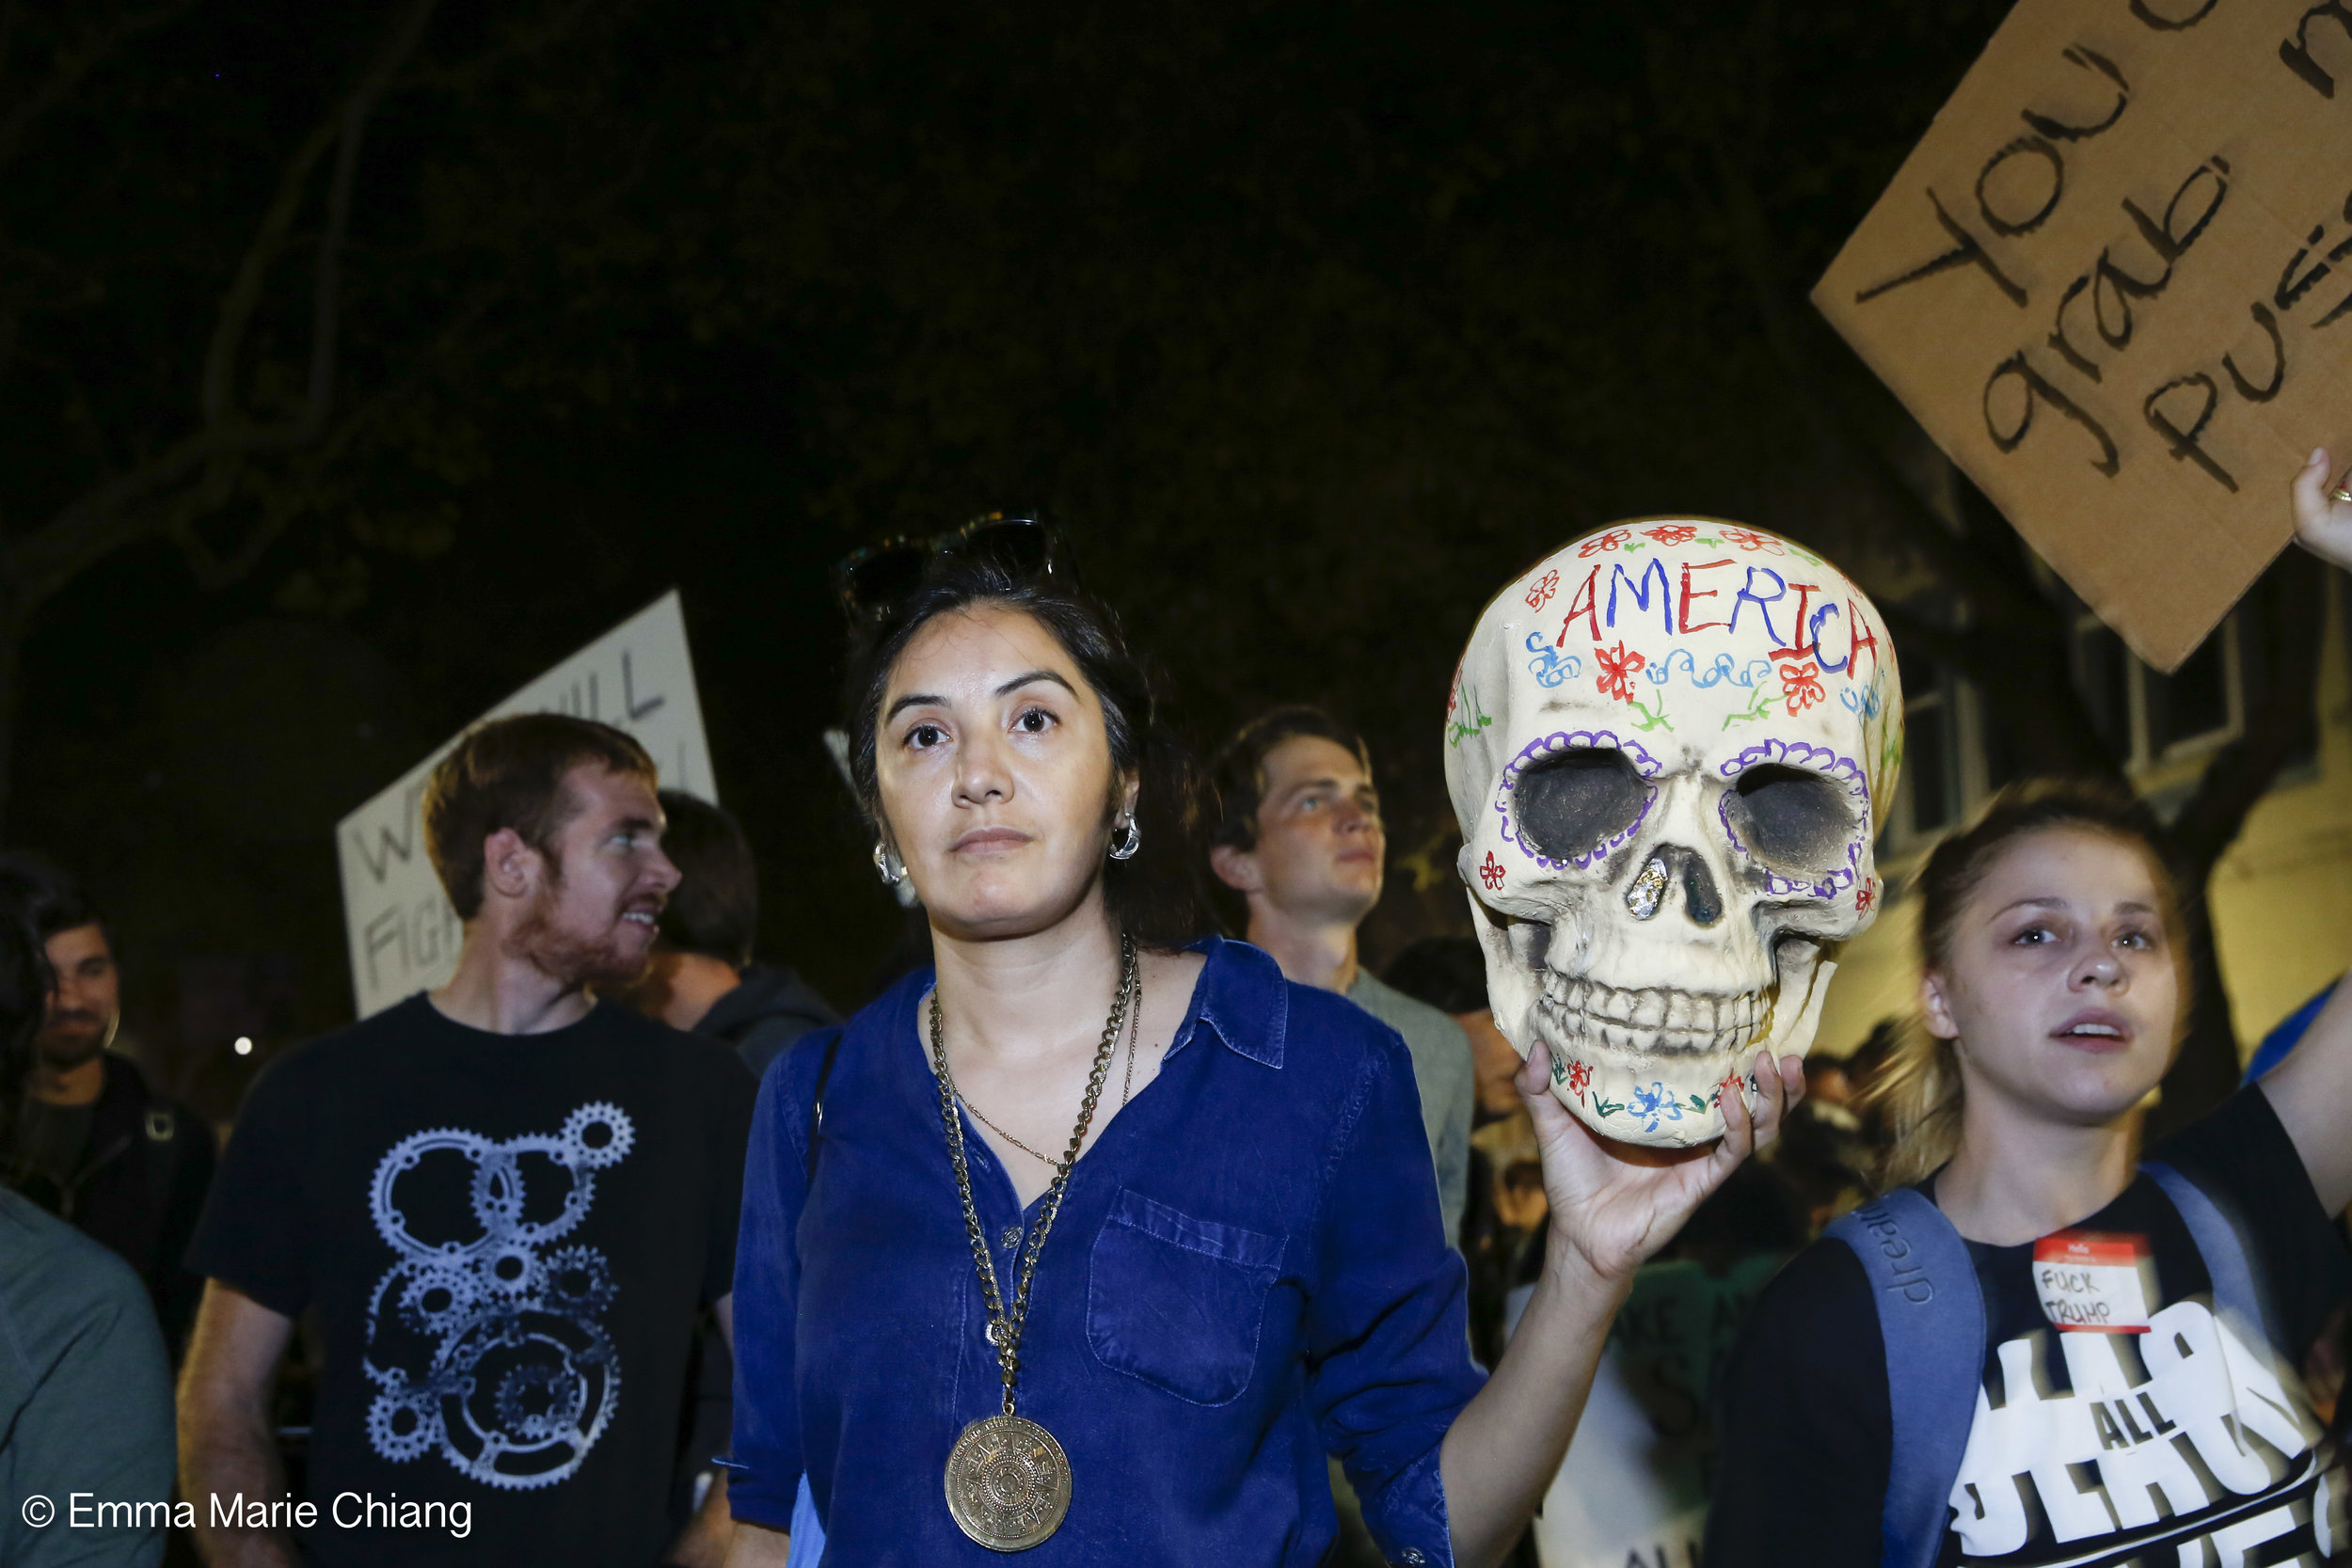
(2087, 1449)
(507, 1239)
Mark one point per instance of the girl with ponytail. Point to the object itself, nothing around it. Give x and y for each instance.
(2029, 1350)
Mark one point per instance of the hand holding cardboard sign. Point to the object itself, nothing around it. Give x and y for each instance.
(2323, 515)
(2114, 282)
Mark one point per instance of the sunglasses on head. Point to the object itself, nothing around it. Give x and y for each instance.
(872, 581)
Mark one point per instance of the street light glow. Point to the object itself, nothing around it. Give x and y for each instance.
(245, 1045)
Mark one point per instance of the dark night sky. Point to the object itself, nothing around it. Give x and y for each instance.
(1312, 322)
(193, 770)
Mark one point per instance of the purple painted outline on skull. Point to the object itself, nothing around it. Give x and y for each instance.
(1814, 759)
(1552, 745)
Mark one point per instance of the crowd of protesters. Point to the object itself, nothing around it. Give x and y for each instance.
(622, 1247)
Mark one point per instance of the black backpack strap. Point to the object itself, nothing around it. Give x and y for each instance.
(1930, 1313)
(817, 1112)
(2233, 1291)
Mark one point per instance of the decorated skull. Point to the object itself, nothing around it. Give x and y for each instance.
(1668, 745)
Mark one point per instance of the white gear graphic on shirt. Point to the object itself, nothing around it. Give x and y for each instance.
(437, 1297)
(490, 1348)
(401, 1425)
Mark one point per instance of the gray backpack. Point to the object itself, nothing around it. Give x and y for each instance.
(1931, 1314)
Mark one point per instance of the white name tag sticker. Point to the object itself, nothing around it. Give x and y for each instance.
(2092, 1283)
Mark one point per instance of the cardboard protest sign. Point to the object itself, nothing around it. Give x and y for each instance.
(2114, 282)
(403, 935)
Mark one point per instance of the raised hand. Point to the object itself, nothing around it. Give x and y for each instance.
(2323, 511)
(1615, 1204)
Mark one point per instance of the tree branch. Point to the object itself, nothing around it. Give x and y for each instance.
(282, 504)
(198, 472)
(244, 295)
(72, 63)
(342, 128)
(467, 75)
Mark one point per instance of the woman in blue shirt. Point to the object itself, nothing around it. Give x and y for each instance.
(1093, 1243)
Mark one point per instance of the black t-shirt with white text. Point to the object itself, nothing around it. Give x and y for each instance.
(2107, 1450)
(507, 1239)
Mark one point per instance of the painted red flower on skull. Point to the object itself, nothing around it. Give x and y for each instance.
(1731, 1085)
(1748, 539)
(1865, 895)
(1617, 670)
(1540, 592)
(1801, 684)
(1491, 872)
(1579, 1079)
(1612, 540)
(1671, 533)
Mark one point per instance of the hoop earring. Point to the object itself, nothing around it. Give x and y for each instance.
(1126, 841)
(893, 872)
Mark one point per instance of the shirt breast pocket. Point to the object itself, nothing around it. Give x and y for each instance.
(1179, 1302)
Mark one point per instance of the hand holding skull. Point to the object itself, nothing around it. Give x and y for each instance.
(1615, 1204)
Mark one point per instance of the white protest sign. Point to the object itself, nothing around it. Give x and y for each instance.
(403, 935)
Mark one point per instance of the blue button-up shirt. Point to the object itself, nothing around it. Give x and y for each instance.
(1248, 1269)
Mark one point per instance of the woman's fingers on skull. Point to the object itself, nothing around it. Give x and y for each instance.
(1552, 1120)
(1738, 1139)
(1534, 1079)
(1746, 1129)
(1739, 1129)
(1792, 1079)
(1780, 1085)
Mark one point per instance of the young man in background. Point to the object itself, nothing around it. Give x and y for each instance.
(702, 976)
(508, 1203)
(93, 1144)
(1297, 837)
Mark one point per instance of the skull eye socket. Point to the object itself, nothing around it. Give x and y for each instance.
(1789, 819)
(1577, 799)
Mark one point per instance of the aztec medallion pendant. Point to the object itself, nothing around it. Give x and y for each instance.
(1008, 1482)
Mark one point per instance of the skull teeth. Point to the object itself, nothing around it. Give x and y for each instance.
(1641, 1022)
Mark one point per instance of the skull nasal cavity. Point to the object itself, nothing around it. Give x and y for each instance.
(1578, 798)
(1701, 899)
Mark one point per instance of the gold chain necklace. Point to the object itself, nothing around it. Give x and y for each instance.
(1008, 1479)
(1126, 1092)
(1135, 1038)
(1016, 1143)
